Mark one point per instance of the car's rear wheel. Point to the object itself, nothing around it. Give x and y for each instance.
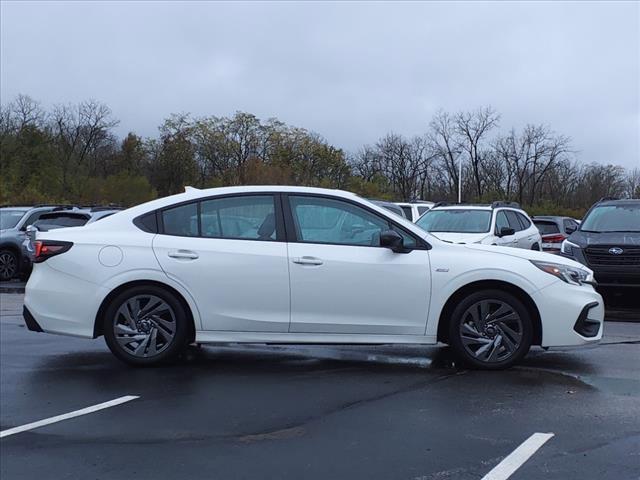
(535, 247)
(490, 329)
(146, 325)
(8, 265)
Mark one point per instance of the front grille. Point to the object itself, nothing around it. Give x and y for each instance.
(600, 255)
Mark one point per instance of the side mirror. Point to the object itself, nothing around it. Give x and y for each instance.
(31, 232)
(506, 231)
(392, 240)
(570, 230)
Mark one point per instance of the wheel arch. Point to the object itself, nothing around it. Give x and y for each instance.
(458, 295)
(99, 319)
(13, 248)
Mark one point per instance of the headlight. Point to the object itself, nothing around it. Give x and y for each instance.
(574, 276)
(567, 247)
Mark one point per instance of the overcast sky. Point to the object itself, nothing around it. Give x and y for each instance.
(349, 71)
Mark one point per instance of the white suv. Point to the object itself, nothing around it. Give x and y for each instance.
(414, 210)
(501, 223)
(299, 265)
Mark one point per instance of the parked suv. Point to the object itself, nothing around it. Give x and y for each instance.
(13, 224)
(414, 210)
(608, 242)
(501, 223)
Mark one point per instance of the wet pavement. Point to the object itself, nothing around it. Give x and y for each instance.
(389, 412)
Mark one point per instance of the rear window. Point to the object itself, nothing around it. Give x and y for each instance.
(61, 220)
(546, 227)
(407, 212)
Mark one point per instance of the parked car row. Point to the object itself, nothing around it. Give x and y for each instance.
(16, 247)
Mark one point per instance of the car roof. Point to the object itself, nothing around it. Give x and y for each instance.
(15, 207)
(462, 206)
(622, 201)
(191, 193)
(548, 217)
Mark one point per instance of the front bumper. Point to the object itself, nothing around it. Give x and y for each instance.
(571, 315)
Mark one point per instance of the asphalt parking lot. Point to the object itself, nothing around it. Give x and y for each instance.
(315, 412)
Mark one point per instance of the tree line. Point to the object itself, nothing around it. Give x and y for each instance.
(70, 154)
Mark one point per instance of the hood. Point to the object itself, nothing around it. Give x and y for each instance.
(526, 254)
(457, 237)
(585, 239)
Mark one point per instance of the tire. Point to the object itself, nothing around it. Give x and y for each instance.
(146, 326)
(496, 345)
(9, 266)
(535, 247)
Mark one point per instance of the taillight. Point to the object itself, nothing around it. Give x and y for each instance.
(553, 238)
(44, 249)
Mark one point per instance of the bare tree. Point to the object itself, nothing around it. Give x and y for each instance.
(79, 130)
(445, 145)
(633, 183)
(473, 128)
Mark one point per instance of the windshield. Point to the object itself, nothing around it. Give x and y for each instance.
(10, 218)
(613, 218)
(456, 220)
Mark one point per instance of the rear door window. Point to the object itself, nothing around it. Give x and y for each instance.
(514, 223)
(524, 221)
(407, 212)
(250, 217)
(181, 220)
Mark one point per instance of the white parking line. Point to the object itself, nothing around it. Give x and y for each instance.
(66, 416)
(516, 459)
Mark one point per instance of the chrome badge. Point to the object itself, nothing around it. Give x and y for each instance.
(615, 251)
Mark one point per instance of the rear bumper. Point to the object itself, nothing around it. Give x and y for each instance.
(57, 302)
(30, 321)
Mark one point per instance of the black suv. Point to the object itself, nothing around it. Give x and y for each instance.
(608, 242)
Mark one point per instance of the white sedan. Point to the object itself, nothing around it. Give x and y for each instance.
(299, 265)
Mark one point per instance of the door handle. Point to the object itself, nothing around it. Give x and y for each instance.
(183, 254)
(307, 261)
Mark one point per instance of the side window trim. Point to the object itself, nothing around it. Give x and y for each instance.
(277, 202)
(292, 235)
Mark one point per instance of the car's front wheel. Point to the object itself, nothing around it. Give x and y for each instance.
(490, 329)
(146, 325)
